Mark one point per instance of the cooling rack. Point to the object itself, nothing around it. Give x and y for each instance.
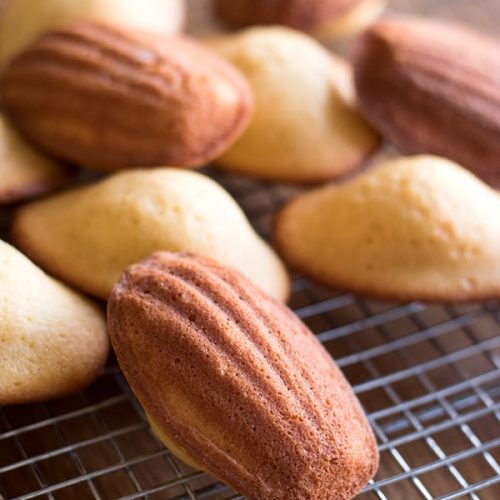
(427, 376)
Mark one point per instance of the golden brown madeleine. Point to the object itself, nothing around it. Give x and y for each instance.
(89, 235)
(433, 87)
(53, 341)
(109, 98)
(415, 228)
(330, 18)
(234, 383)
(305, 127)
(22, 21)
(24, 171)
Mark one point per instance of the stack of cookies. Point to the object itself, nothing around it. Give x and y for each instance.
(234, 382)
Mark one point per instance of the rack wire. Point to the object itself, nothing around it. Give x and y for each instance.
(427, 376)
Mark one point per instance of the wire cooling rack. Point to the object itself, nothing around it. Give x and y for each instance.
(428, 377)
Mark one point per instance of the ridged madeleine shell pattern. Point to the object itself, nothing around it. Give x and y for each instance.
(109, 98)
(433, 87)
(234, 383)
(299, 14)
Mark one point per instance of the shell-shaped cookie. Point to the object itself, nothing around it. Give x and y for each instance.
(305, 127)
(325, 18)
(25, 172)
(110, 98)
(24, 20)
(88, 236)
(433, 87)
(52, 340)
(234, 383)
(415, 228)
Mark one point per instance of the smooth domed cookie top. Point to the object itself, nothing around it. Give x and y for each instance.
(22, 21)
(305, 127)
(53, 341)
(24, 171)
(415, 228)
(89, 235)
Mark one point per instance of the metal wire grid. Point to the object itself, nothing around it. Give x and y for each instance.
(428, 376)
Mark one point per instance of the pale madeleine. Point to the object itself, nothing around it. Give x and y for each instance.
(22, 21)
(53, 341)
(24, 171)
(305, 127)
(415, 228)
(88, 236)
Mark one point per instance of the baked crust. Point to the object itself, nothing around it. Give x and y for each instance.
(305, 15)
(433, 87)
(236, 383)
(109, 98)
